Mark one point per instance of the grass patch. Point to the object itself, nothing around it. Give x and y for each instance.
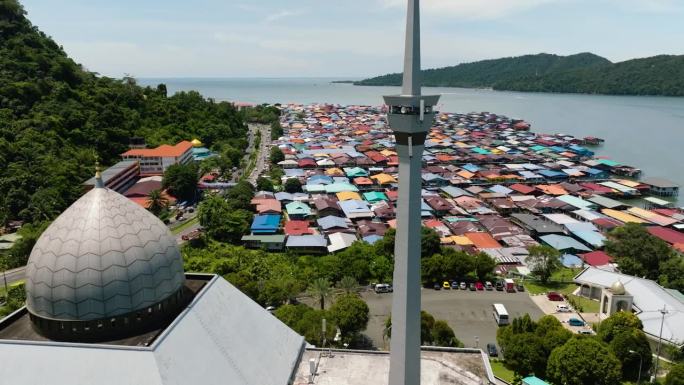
(588, 305)
(539, 288)
(183, 226)
(501, 371)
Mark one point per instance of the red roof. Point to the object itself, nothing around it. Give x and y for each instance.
(297, 228)
(668, 235)
(521, 188)
(164, 150)
(597, 258)
(607, 223)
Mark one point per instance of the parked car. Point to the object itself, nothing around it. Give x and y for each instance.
(488, 286)
(575, 322)
(520, 287)
(471, 287)
(437, 286)
(270, 309)
(446, 285)
(454, 285)
(563, 308)
(491, 350)
(463, 286)
(499, 286)
(553, 296)
(383, 288)
(585, 331)
(479, 285)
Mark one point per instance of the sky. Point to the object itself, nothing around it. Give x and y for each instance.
(343, 38)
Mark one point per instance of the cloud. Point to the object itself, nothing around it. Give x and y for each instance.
(474, 9)
(650, 6)
(280, 15)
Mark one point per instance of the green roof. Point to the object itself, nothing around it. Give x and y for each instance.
(374, 196)
(298, 208)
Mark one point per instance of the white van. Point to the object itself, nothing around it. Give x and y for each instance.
(383, 288)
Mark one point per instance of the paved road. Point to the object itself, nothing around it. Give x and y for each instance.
(468, 313)
(264, 152)
(14, 275)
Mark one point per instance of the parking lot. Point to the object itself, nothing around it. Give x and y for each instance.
(469, 313)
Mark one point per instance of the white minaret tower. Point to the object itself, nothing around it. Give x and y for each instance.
(410, 116)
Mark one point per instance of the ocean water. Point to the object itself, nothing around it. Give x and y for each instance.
(641, 131)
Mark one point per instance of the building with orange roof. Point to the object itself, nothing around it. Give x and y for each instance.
(155, 161)
(483, 240)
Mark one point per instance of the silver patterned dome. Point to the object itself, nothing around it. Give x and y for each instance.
(103, 257)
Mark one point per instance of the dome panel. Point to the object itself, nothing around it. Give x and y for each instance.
(104, 256)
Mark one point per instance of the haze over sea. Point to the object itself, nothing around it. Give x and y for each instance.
(641, 131)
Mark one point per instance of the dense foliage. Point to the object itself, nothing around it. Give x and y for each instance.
(56, 117)
(583, 361)
(14, 299)
(580, 73)
(639, 253)
(676, 375)
(432, 332)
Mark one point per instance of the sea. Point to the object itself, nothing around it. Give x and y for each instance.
(646, 132)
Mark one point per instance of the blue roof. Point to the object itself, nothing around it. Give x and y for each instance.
(471, 167)
(332, 221)
(562, 242)
(570, 260)
(533, 380)
(372, 238)
(552, 174)
(268, 223)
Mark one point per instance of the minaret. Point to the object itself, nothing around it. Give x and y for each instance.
(410, 116)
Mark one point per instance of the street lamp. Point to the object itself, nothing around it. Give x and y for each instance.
(663, 311)
(641, 361)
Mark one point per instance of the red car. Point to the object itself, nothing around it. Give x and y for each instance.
(479, 286)
(553, 296)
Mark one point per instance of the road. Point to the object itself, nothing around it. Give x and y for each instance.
(14, 275)
(469, 313)
(264, 152)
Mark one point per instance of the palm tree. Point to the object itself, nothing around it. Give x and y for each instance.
(157, 202)
(321, 290)
(348, 284)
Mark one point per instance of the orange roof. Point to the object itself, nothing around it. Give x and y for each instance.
(551, 189)
(483, 240)
(465, 174)
(164, 150)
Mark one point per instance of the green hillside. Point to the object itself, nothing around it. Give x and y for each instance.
(55, 117)
(581, 73)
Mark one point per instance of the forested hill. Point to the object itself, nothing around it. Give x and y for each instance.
(582, 73)
(55, 117)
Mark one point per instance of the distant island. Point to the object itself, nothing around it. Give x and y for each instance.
(584, 73)
(343, 82)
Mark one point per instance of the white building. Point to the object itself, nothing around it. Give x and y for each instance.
(155, 161)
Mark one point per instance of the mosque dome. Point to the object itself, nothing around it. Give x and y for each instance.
(196, 142)
(617, 288)
(103, 257)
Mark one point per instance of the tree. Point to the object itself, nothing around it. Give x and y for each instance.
(443, 335)
(636, 251)
(276, 155)
(240, 195)
(484, 265)
(583, 361)
(293, 185)
(350, 313)
(221, 222)
(264, 184)
(672, 273)
(676, 375)
(525, 355)
(632, 347)
(428, 330)
(544, 261)
(156, 202)
(617, 323)
(321, 290)
(181, 181)
(429, 243)
(348, 284)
